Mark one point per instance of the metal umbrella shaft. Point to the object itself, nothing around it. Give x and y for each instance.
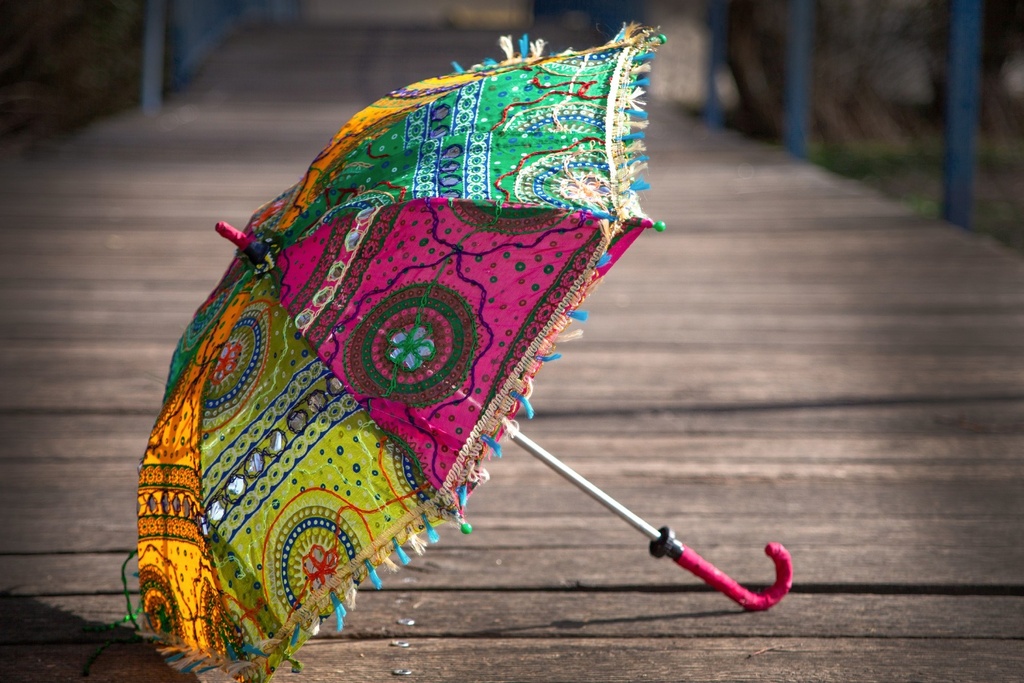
(664, 542)
(580, 482)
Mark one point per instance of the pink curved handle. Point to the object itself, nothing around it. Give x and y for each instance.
(749, 600)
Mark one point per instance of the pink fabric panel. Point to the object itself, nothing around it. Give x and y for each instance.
(436, 308)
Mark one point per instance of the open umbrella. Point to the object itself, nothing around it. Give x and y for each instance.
(336, 395)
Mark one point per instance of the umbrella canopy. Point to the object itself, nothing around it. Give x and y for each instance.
(336, 394)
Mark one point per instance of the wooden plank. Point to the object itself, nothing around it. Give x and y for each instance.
(117, 664)
(972, 445)
(495, 660)
(91, 313)
(512, 549)
(635, 317)
(673, 264)
(900, 532)
(760, 425)
(669, 660)
(129, 377)
(574, 613)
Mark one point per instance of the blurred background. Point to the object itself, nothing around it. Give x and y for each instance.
(878, 83)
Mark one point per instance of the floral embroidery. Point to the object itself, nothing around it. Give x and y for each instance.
(410, 348)
(319, 565)
(227, 362)
(585, 188)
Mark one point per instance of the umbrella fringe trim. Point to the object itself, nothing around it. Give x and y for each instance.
(493, 419)
(306, 620)
(359, 571)
(624, 114)
(625, 165)
(187, 659)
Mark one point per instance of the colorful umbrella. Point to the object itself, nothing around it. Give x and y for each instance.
(336, 394)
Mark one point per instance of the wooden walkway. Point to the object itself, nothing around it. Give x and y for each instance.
(796, 359)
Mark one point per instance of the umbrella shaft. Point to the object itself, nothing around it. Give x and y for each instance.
(575, 478)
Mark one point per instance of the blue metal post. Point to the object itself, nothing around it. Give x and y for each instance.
(151, 94)
(718, 24)
(962, 104)
(799, 53)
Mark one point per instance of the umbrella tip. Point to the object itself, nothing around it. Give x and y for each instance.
(233, 235)
(257, 251)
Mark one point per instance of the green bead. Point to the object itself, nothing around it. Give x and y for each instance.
(467, 528)
(662, 38)
(659, 226)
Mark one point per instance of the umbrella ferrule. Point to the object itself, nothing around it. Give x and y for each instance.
(257, 252)
(667, 544)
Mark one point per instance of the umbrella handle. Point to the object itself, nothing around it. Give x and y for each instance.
(688, 559)
(664, 542)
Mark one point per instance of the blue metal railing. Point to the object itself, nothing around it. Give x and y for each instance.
(718, 27)
(962, 105)
(799, 57)
(195, 28)
(962, 98)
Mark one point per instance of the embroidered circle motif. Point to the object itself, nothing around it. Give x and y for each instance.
(238, 366)
(404, 461)
(305, 546)
(204, 318)
(217, 626)
(411, 347)
(417, 345)
(159, 600)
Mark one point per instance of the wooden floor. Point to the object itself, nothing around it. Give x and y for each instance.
(796, 359)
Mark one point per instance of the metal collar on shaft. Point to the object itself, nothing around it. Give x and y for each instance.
(667, 544)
